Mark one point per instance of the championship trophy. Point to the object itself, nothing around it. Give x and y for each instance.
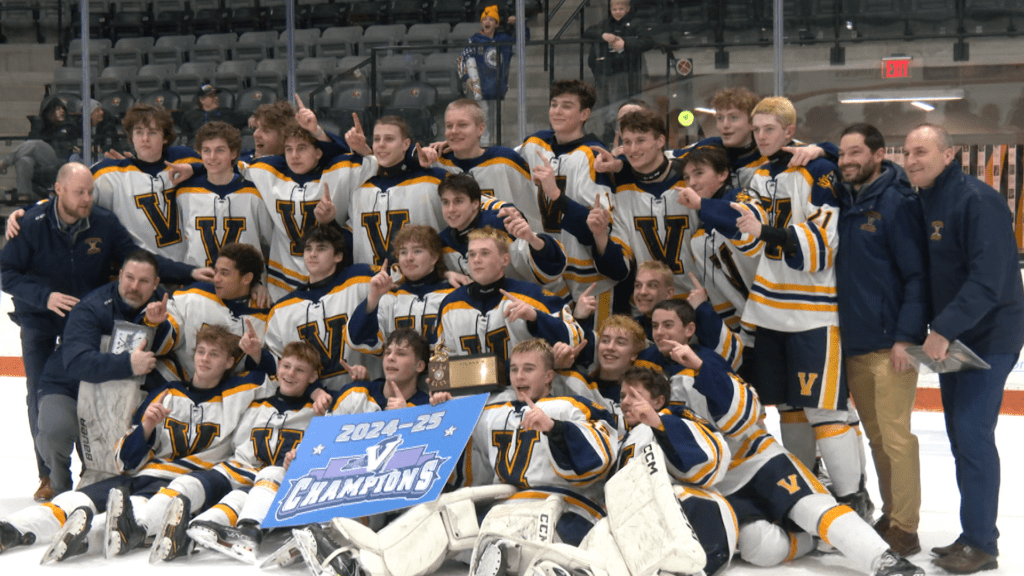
(461, 375)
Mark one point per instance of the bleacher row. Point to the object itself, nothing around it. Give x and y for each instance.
(117, 19)
(251, 69)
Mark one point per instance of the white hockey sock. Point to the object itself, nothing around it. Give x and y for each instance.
(797, 435)
(261, 496)
(763, 543)
(44, 520)
(840, 527)
(226, 511)
(840, 450)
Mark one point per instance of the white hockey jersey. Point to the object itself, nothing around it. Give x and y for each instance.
(695, 451)
(794, 292)
(501, 172)
(198, 432)
(190, 309)
(318, 314)
(412, 305)
(214, 215)
(291, 200)
(145, 201)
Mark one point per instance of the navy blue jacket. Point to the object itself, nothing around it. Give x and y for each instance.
(881, 268)
(42, 259)
(976, 290)
(79, 358)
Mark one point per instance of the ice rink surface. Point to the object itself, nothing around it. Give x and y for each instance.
(939, 512)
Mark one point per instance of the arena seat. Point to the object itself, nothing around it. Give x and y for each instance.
(115, 79)
(163, 98)
(408, 12)
(461, 34)
(439, 70)
(252, 98)
(171, 49)
(395, 71)
(130, 51)
(326, 15)
(132, 19)
(117, 103)
(305, 43)
(214, 48)
(210, 17)
(427, 35)
(381, 35)
(339, 41)
(233, 75)
(313, 72)
(171, 17)
(367, 13)
(68, 80)
(353, 98)
(451, 11)
(254, 46)
(244, 15)
(152, 78)
(416, 104)
(190, 76)
(98, 49)
(270, 74)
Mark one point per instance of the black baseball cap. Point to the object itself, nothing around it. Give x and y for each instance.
(206, 90)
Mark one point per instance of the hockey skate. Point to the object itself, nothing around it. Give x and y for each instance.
(10, 537)
(239, 542)
(72, 538)
(123, 533)
(172, 541)
(322, 555)
(892, 564)
(286, 555)
(492, 559)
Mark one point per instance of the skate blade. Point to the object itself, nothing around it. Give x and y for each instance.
(208, 539)
(111, 537)
(73, 526)
(286, 555)
(163, 546)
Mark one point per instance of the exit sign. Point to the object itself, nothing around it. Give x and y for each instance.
(896, 67)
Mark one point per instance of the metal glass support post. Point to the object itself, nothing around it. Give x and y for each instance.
(521, 68)
(289, 24)
(83, 11)
(778, 48)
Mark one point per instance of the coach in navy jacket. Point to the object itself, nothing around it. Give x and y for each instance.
(977, 297)
(881, 277)
(79, 357)
(64, 249)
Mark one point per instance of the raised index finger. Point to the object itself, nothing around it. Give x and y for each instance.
(298, 100)
(249, 326)
(740, 207)
(588, 290)
(696, 283)
(355, 120)
(544, 159)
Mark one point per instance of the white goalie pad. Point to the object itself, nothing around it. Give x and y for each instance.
(646, 521)
(104, 415)
(418, 542)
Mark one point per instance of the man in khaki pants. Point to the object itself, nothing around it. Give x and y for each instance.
(883, 307)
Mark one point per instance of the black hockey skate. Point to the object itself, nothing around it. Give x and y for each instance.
(239, 542)
(123, 533)
(72, 538)
(324, 556)
(172, 541)
(10, 537)
(892, 564)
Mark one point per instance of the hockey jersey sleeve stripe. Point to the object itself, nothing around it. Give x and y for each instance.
(115, 168)
(531, 301)
(278, 267)
(353, 281)
(800, 170)
(787, 305)
(783, 287)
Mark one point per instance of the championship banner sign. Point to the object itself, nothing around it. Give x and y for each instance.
(362, 464)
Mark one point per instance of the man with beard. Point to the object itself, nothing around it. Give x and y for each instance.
(881, 274)
(80, 356)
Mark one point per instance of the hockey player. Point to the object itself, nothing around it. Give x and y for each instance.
(318, 312)
(178, 427)
(221, 207)
(140, 189)
(562, 161)
(229, 301)
(400, 193)
(269, 429)
(500, 171)
(534, 257)
(791, 217)
(494, 313)
(649, 221)
(412, 302)
(766, 485)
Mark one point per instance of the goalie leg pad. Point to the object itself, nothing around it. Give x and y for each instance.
(646, 520)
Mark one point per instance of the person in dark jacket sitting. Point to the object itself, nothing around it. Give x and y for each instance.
(881, 273)
(976, 298)
(79, 357)
(49, 145)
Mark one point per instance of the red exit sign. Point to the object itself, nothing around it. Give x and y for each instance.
(897, 67)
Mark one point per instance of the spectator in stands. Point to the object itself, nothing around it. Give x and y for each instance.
(49, 145)
(209, 109)
(976, 298)
(881, 270)
(485, 69)
(64, 250)
(617, 60)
